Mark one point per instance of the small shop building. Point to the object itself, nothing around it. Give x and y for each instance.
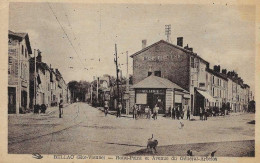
(156, 90)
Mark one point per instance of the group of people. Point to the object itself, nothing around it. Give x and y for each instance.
(204, 113)
(150, 113)
(178, 112)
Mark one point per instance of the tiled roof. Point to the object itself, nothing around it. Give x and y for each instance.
(223, 76)
(156, 82)
(175, 46)
(22, 36)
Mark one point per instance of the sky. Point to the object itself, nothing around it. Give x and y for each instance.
(83, 36)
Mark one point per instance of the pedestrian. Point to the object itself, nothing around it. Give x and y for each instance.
(61, 108)
(206, 114)
(149, 112)
(134, 111)
(182, 112)
(188, 113)
(201, 113)
(173, 112)
(177, 112)
(119, 108)
(156, 109)
(170, 111)
(106, 108)
(146, 111)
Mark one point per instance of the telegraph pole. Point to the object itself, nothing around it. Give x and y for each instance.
(35, 77)
(127, 85)
(97, 88)
(117, 85)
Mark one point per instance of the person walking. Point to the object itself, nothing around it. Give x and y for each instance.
(106, 108)
(61, 108)
(188, 113)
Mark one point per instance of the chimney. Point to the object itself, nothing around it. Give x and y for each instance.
(224, 71)
(217, 68)
(188, 48)
(144, 44)
(180, 41)
(39, 57)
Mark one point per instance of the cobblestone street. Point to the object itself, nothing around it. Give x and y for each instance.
(85, 130)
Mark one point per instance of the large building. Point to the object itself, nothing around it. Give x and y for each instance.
(19, 51)
(186, 70)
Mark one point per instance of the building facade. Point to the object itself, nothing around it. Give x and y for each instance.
(19, 51)
(183, 67)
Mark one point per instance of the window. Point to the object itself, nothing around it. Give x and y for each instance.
(149, 73)
(213, 80)
(192, 62)
(196, 64)
(202, 85)
(25, 53)
(157, 73)
(22, 49)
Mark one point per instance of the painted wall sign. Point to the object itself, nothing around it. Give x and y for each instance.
(161, 91)
(164, 58)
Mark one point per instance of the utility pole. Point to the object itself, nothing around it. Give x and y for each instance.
(91, 89)
(117, 85)
(97, 89)
(35, 77)
(127, 86)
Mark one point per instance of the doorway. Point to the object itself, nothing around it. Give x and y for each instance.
(11, 100)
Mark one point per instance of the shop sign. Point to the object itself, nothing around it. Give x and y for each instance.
(150, 91)
(164, 58)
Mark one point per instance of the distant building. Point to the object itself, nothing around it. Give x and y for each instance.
(19, 51)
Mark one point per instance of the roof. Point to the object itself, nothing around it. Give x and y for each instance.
(218, 74)
(175, 46)
(20, 37)
(157, 82)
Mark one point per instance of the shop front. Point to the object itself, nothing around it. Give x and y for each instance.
(158, 91)
(151, 97)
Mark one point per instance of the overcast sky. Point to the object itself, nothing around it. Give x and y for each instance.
(219, 34)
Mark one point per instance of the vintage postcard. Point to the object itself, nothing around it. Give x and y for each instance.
(129, 81)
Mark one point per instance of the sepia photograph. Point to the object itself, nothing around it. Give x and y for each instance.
(130, 79)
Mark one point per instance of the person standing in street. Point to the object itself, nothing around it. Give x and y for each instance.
(206, 114)
(173, 112)
(178, 112)
(146, 112)
(106, 108)
(134, 111)
(188, 113)
(156, 109)
(201, 113)
(119, 109)
(149, 112)
(61, 108)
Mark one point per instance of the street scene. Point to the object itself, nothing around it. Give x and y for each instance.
(122, 79)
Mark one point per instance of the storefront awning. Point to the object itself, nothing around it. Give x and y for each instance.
(154, 82)
(207, 96)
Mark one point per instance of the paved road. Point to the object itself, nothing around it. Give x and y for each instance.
(85, 130)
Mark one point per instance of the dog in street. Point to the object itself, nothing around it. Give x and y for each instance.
(151, 145)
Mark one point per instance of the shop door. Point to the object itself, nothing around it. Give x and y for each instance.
(150, 102)
(11, 100)
(160, 100)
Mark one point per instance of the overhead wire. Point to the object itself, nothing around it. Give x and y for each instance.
(65, 34)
